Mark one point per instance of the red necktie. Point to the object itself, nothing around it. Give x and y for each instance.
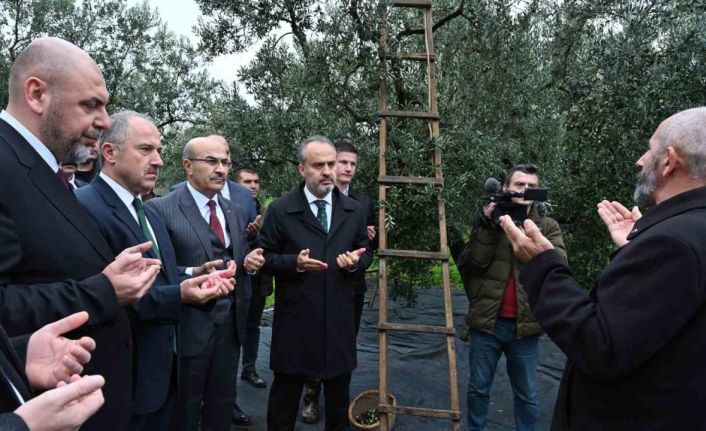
(63, 179)
(215, 224)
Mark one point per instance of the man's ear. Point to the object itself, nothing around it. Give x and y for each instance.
(301, 169)
(108, 150)
(186, 163)
(673, 161)
(37, 95)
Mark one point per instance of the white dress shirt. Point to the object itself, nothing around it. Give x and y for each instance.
(205, 210)
(315, 209)
(38, 146)
(126, 198)
(225, 191)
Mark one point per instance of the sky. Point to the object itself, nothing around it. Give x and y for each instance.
(180, 16)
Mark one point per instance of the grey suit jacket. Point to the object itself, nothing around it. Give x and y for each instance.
(190, 234)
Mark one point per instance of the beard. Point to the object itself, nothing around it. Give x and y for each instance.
(646, 185)
(80, 154)
(324, 189)
(63, 147)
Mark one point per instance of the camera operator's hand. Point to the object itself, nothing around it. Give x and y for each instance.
(488, 210)
(618, 219)
(526, 244)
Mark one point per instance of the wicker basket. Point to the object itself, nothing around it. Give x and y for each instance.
(365, 401)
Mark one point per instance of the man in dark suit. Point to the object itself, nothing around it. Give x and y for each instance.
(635, 344)
(130, 154)
(346, 166)
(204, 226)
(315, 244)
(52, 362)
(262, 287)
(53, 260)
(236, 193)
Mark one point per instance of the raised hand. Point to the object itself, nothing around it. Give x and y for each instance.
(526, 244)
(618, 219)
(349, 259)
(305, 263)
(65, 408)
(370, 230)
(253, 228)
(254, 260)
(207, 267)
(52, 358)
(131, 274)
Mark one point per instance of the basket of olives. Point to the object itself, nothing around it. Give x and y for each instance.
(363, 412)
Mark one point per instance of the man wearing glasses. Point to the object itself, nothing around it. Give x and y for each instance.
(498, 314)
(204, 227)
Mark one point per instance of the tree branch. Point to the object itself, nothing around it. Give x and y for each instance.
(439, 23)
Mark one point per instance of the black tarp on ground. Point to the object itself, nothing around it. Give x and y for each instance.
(418, 369)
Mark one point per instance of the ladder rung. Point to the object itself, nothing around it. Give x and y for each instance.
(412, 327)
(411, 114)
(412, 56)
(388, 179)
(411, 3)
(417, 411)
(414, 254)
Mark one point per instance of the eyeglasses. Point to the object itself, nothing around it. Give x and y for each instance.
(214, 162)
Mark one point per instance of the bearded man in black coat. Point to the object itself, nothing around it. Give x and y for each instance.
(315, 244)
(635, 344)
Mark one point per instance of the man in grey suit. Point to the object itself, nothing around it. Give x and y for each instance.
(204, 226)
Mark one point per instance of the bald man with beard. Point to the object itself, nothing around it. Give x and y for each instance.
(53, 260)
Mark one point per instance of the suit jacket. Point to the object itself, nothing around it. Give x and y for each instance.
(51, 260)
(313, 332)
(11, 370)
(368, 208)
(156, 315)
(636, 344)
(189, 233)
(239, 195)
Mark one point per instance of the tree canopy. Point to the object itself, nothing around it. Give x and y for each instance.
(575, 86)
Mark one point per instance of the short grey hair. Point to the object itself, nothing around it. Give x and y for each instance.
(306, 141)
(119, 131)
(686, 131)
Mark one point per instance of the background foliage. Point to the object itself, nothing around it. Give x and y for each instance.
(574, 86)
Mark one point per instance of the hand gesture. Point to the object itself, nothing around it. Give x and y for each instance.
(253, 228)
(223, 280)
(526, 244)
(488, 209)
(201, 289)
(305, 263)
(349, 259)
(618, 220)
(370, 230)
(207, 267)
(131, 274)
(65, 408)
(52, 358)
(254, 260)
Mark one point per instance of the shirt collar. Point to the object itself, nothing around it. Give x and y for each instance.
(311, 198)
(200, 198)
(345, 192)
(124, 194)
(34, 142)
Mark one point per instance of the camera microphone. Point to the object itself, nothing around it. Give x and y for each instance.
(491, 185)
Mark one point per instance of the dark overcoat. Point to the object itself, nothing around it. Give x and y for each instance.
(51, 261)
(313, 331)
(636, 344)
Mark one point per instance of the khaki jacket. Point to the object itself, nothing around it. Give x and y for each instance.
(485, 264)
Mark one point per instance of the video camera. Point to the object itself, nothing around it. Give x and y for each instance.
(505, 205)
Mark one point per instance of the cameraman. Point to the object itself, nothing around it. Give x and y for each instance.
(499, 314)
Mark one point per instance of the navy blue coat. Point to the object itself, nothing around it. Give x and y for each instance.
(156, 315)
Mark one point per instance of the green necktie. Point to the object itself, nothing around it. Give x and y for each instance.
(137, 203)
(321, 213)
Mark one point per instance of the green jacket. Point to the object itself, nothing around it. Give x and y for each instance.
(485, 265)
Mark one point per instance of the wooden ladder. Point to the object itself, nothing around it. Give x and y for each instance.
(384, 253)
